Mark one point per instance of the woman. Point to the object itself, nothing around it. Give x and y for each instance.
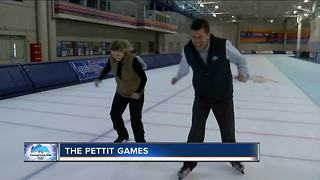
(131, 80)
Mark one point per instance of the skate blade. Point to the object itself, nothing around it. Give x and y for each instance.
(124, 141)
(240, 171)
(180, 178)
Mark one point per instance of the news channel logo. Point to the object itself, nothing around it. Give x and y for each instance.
(40, 152)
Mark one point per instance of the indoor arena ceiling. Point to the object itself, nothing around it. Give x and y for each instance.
(242, 10)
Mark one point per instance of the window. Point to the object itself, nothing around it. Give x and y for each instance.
(90, 48)
(79, 48)
(86, 49)
(103, 5)
(151, 47)
(65, 48)
(75, 1)
(105, 48)
(92, 3)
(74, 49)
(58, 47)
(12, 49)
(167, 20)
(97, 48)
(109, 6)
(18, 47)
(137, 47)
(5, 48)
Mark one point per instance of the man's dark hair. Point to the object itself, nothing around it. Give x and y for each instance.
(197, 24)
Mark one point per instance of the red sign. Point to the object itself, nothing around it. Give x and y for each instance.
(35, 52)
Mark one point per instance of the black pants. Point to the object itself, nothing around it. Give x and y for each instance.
(119, 104)
(224, 113)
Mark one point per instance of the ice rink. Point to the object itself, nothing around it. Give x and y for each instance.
(270, 109)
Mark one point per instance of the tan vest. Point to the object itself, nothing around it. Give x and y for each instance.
(130, 80)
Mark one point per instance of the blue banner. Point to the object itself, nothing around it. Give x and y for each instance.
(158, 152)
(88, 69)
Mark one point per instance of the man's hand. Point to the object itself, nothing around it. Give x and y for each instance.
(135, 96)
(174, 81)
(97, 82)
(242, 77)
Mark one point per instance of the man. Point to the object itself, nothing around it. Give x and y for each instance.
(209, 58)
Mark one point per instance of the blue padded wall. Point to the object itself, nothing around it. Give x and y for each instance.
(176, 58)
(161, 60)
(279, 52)
(50, 75)
(16, 79)
(150, 61)
(13, 81)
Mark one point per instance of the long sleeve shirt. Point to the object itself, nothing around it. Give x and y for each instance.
(232, 53)
(137, 68)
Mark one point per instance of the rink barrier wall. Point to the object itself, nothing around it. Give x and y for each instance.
(303, 55)
(267, 52)
(24, 79)
(89, 69)
(151, 62)
(308, 56)
(45, 76)
(14, 82)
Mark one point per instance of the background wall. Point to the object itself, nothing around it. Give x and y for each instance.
(22, 28)
(17, 21)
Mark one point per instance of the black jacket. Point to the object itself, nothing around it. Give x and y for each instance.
(212, 82)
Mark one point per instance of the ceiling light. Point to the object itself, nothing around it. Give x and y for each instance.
(305, 15)
(299, 7)
(214, 15)
(201, 5)
(216, 7)
(306, 1)
(295, 12)
(271, 20)
(232, 16)
(319, 16)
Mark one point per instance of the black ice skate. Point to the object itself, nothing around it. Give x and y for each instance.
(121, 139)
(238, 166)
(184, 171)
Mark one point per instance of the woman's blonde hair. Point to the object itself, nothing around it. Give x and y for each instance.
(120, 46)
